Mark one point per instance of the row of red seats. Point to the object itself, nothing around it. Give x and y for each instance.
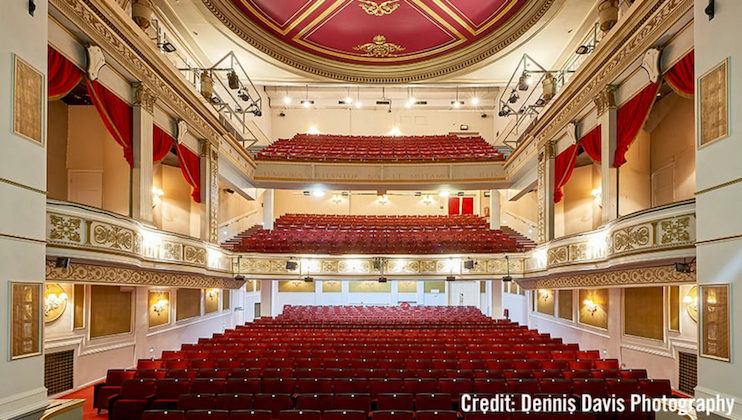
(380, 149)
(300, 415)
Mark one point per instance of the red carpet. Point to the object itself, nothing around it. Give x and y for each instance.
(88, 412)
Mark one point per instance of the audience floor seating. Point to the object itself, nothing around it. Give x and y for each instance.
(357, 363)
(338, 148)
(337, 234)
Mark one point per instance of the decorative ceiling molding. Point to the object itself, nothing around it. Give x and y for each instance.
(296, 42)
(620, 277)
(90, 273)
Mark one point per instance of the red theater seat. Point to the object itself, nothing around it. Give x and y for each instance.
(163, 415)
(250, 415)
(436, 415)
(232, 402)
(112, 386)
(135, 397)
(273, 402)
(395, 401)
(196, 402)
(436, 401)
(393, 415)
(360, 402)
(313, 401)
(207, 415)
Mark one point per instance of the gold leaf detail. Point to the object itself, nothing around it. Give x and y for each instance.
(379, 47)
(376, 9)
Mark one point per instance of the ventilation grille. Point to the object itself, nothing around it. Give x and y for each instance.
(688, 372)
(58, 371)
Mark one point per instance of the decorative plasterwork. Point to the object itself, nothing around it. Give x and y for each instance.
(605, 99)
(144, 97)
(460, 54)
(623, 277)
(89, 273)
(627, 43)
(116, 33)
(348, 267)
(101, 235)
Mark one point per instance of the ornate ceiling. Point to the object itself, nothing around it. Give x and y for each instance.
(385, 41)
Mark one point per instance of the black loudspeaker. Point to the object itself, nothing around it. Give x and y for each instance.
(451, 278)
(308, 279)
(291, 265)
(469, 264)
(382, 279)
(239, 277)
(63, 262)
(507, 279)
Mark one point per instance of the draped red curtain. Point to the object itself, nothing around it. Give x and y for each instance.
(162, 142)
(467, 205)
(630, 119)
(190, 165)
(453, 205)
(681, 77)
(116, 115)
(590, 144)
(564, 164)
(63, 75)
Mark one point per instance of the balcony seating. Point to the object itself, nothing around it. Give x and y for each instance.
(401, 363)
(334, 234)
(380, 149)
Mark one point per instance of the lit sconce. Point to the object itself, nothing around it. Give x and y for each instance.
(337, 198)
(597, 194)
(691, 301)
(160, 306)
(590, 306)
(212, 293)
(383, 200)
(318, 193)
(544, 294)
(427, 200)
(313, 130)
(156, 196)
(54, 301)
(395, 131)
(297, 282)
(444, 193)
(711, 299)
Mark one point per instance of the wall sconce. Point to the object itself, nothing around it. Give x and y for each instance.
(597, 194)
(54, 301)
(544, 294)
(691, 301)
(212, 293)
(590, 306)
(427, 200)
(156, 196)
(383, 200)
(337, 198)
(160, 306)
(297, 282)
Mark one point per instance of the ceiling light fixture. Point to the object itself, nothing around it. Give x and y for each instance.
(475, 101)
(286, 100)
(523, 81)
(444, 193)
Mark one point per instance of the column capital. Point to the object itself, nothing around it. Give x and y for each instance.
(606, 99)
(144, 97)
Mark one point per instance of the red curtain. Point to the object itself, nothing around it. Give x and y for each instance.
(631, 118)
(590, 144)
(467, 205)
(681, 77)
(453, 205)
(190, 165)
(162, 142)
(564, 164)
(63, 75)
(116, 115)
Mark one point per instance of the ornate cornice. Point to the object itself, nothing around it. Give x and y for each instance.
(106, 24)
(436, 67)
(624, 277)
(144, 97)
(626, 44)
(89, 273)
(605, 99)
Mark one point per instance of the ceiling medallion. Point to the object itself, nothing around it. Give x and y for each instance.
(379, 47)
(373, 8)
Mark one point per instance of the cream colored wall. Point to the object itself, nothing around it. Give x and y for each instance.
(673, 156)
(177, 212)
(293, 201)
(578, 211)
(237, 214)
(91, 147)
(634, 192)
(525, 207)
(56, 151)
(378, 122)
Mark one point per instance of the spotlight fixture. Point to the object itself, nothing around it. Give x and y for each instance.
(584, 49)
(63, 262)
(281, 114)
(469, 264)
(513, 97)
(239, 277)
(243, 95)
(464, 127)
(308, 279)
(233, 80)
(286, 100)
(307, 103)
(348, 100)
(683, 267)
(506, 278)
(540, 102)
(475, 101)
(457, 104)
(451, 278)
(291, 265)
(168, 47)
(382, 279)
(523, 81)
(359, 105)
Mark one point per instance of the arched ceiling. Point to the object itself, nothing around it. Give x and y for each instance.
(385, 41)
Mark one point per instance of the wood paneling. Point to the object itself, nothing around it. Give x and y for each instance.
(295, 286)
(79, 303)
(545, 302)
(643, 312)
(211, 301)
(599, 317)
(371, 286)
(25, 322)
(674, 307)
(110, 311)
(162, 317)
(187, 304)
(564, 302)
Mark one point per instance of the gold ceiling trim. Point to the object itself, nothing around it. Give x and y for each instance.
(378, 47)
(618, 277)
(242, 26)
(378, 9)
